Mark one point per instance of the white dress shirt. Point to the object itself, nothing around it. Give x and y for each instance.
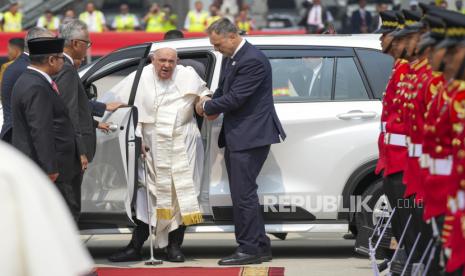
(46, 76)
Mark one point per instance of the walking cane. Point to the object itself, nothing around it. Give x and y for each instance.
(152, 260)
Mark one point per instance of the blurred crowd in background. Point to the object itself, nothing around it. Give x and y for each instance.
(313, 16)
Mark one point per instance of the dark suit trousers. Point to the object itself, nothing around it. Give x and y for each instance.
(394, 189)
(8, 136)
(243, 168)
(71, 192)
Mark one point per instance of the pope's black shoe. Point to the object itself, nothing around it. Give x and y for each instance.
(129, 254)
(240, 258)
(174, 254)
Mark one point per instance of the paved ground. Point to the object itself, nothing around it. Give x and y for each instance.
(303, 255)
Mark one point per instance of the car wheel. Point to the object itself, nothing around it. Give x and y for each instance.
(367, 218)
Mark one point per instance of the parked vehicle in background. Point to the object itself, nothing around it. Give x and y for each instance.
(327, 91)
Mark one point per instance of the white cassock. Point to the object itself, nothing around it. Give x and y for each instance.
(175, 159)
(38, 236)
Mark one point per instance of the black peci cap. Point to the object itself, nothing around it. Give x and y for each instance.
(45, 45)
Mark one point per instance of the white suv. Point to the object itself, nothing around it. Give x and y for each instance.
(327, 91)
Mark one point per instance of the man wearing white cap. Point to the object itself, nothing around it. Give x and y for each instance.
(165, 99)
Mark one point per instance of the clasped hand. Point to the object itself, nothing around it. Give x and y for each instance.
(201, 112)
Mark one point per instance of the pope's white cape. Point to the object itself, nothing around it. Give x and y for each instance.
(185, 79)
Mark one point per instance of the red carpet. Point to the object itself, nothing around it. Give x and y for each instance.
(192, 271)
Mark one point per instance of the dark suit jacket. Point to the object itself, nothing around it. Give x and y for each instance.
(245, 98)
(74, 96)
(42, 128)
(356, 21)
(97, 109)
(10, 77)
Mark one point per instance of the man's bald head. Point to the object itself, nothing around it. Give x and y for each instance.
(164, 60)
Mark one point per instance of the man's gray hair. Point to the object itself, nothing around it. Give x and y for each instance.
(36, 32)
(223, 27)
(72, 30)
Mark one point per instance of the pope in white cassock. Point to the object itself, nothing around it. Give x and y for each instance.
(165, 99)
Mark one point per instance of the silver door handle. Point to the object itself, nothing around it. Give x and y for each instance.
(357, 115)
(113, 127)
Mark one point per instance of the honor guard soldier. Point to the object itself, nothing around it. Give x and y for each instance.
(388, 25)
(456, 203)
(451, 130)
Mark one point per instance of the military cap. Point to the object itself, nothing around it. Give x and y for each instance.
(412, 23)
(437, 30)
(45, 45)
(455, 27)
(388, 22)
(401, 23)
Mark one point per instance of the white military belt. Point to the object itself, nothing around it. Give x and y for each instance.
(440, 166)
(382, 127)
(395, 139)
(414, 150)
(424, 161)
(461, 200)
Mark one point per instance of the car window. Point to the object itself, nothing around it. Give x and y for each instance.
(104, 84)
(349, 84)
(377, 67)
(302, 78)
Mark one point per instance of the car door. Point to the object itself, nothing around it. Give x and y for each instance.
(331, 119)
(109, 183)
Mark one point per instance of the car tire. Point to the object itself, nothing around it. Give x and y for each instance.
(366, 219)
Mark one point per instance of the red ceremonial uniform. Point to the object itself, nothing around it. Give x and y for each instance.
(439, 131)
(455, 223)
(415, 109)
(387, 101)
(395, 148)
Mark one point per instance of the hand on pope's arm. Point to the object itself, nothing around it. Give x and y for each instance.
(199, 105)
(113, 106)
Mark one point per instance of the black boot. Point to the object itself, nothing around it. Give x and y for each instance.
(132, 252)
(173, 250)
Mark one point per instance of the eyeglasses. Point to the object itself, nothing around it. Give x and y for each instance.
(60, 57)
(87, 42)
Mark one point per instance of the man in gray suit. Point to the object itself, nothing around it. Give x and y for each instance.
(80, 108)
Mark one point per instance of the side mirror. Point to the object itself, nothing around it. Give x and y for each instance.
(91, 91)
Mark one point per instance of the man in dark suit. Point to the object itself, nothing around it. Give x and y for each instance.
(42, 128)
(10, 77)
(250, 126)
(73, 94)
(360, 20)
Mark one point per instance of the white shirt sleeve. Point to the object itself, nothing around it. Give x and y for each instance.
(40, 22)
(113, 24)
(136, 22)
(103, 18)
(187, 22)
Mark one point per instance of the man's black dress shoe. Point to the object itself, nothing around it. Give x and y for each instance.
(265, 256)
(174, 254)
(240, 258)
(129, 254)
